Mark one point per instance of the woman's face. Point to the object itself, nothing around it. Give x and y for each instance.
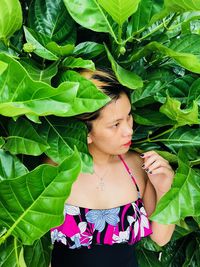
(112, 131)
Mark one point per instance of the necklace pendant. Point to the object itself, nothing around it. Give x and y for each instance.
(101, 185)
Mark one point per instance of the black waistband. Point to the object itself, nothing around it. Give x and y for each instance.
(117, 255)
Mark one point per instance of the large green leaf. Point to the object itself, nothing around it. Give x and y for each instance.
(62, 135)
(9, 253)
(89, 98)
(181, 137)
(24, 139)
(52, 19)
(187, 60)
(151, 117)
(125, 77)
(172, 109)
(33, 203)
(38, 73)
(120, 10)
(182, 200)
(21, 95)
(145, 95)
(182, 5)
(10, 166)
(89, 14)
(10, 18)
(142, 17)
(39, 254)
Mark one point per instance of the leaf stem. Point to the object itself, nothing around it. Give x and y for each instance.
(111, 29)
(16, 254)
(15, 49)
(153, 139)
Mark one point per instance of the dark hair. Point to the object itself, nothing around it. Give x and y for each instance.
(105, 80)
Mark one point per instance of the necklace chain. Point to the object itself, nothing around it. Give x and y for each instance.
(101, 184)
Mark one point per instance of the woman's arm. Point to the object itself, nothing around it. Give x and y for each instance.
(159, 181)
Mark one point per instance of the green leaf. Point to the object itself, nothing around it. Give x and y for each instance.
(188, 61)
(182, 200)
(3, 67)
(187, 43)
(125, 77)
(36, 73)
(182, 5)
(172, 109)
(71, 62)
(40, 50)
(120, 10)
(51, 19)
(36, 200)
(142, 17)
(147, 258)
(39, 254)
(21, 258)
(194, 92)
(181, 137)
(9, 252)
(10, 18)
(150, 117)
(10, 166)
(58, 50)
(62, 136)
(145, 95)
(89, 14)
(21, 95)
(24, 139)
(89, 98)
(88, 50)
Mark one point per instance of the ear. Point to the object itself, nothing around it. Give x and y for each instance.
(89, 139)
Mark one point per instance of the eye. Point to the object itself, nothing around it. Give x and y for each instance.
(115, 125)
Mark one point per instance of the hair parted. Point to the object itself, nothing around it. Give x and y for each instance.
(104, 80)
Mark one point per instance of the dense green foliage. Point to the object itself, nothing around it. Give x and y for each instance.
(153, 47)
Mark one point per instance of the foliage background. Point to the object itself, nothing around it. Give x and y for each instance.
(153, 47)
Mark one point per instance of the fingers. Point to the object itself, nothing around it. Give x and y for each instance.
(154, 163)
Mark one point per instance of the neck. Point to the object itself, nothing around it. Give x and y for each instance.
(101, 159)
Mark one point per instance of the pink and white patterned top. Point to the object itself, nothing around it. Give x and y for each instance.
(88, 227)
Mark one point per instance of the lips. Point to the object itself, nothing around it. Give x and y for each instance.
(128, 144)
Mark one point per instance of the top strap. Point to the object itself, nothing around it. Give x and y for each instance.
(128, 170)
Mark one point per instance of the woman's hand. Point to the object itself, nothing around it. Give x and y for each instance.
(158, 170)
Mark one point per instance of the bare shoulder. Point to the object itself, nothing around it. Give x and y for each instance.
(135, 163)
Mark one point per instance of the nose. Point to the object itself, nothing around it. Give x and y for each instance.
(128, 129)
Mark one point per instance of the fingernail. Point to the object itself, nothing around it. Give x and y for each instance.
(146, 170)
(143, 166)
(141, 155)
(150, 172)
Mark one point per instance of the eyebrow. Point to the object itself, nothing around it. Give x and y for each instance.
(117, 120)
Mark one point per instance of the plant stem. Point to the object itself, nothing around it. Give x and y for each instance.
(15, 49)
(175, 15)
(153, 139)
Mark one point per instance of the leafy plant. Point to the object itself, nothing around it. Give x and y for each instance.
(153, 48)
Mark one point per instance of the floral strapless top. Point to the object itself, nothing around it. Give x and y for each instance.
(84, 227)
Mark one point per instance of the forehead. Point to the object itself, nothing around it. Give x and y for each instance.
(115, 110)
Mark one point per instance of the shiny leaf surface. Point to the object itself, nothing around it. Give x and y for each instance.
(37, 203)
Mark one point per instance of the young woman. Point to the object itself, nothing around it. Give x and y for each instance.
(107, 211)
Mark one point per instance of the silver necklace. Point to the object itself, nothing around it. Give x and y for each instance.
(101, 184)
